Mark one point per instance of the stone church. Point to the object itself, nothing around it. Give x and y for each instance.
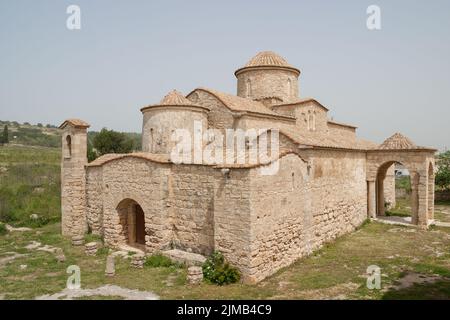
(327, 184)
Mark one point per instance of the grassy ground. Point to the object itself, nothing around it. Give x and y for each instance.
(30, 184)
(338, 271)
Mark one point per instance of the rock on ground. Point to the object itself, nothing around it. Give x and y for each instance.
(107, 290)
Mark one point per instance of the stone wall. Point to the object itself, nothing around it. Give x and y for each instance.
(232, 219)
(258, 84)
(191, 207)
(289, 217)
(73, 181)
(160, 123)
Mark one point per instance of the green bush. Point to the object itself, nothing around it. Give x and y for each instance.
(216, 270)
(3, 229)
(158, 260)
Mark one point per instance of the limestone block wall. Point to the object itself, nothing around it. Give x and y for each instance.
(258, 84)
(191, 207)
(232, 219)
(289, 217)
(94, 199)
(342, 133)
(144, 182)
(160, 123)
(73, 181)
(219, 116)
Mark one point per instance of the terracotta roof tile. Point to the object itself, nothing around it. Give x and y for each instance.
(77, 123)
(397, 142)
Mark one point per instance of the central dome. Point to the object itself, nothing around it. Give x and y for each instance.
(267, 58)
(268, 77)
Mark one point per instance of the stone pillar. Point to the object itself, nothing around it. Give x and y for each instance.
(73, 177)
(380, 196)
(422, 208)
(431, 178)
(414, 197)
(371, 199)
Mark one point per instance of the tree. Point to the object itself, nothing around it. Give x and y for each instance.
(110, 141)
(5, 138)
(443, 171)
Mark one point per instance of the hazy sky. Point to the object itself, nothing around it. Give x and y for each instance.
(131, 53)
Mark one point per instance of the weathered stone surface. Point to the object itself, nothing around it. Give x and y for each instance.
(137, 261)
(184, 257)
(91, 248)
(78, 240)
(194, 275)
(110, 266)
(327, 183)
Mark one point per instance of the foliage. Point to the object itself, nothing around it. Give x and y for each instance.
(110, 141)
(216, 270)
(443, 171)
(403, 182)
(5, 136)
(158, 260)
(3, 229)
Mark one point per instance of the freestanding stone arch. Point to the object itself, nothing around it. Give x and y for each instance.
(399, 149)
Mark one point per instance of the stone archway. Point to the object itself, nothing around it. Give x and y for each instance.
(132, 222)
(386, 193)
(417, 160)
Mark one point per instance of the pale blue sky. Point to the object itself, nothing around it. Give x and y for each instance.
(131, 53)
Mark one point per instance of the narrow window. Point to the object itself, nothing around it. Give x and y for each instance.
(289, 88)
(151, 140)
(68, 146)
(248, 88)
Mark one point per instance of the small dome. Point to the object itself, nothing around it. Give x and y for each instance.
(268, 58)
(175, 98)
(397, 142)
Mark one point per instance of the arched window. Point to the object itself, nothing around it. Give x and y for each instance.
(289, 87)
(151, 139)
(314, 121)
(248, 88)
(68, 149)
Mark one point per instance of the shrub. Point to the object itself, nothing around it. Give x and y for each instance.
(216, 270)
(3, 229)
(158, 260)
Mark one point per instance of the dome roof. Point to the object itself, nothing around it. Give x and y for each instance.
(268, 59)
(174, 98)
(397, 142)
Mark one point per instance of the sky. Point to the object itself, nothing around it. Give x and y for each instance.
(129, 54)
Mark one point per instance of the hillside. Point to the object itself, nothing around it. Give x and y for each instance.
(47, 135)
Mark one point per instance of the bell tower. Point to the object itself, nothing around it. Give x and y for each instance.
(73, 177)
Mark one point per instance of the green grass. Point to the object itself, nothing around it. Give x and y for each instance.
(338, 270)
(402, 208)
(30, 184)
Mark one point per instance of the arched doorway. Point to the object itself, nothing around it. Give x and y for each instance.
(132, 221)
(395, 193)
